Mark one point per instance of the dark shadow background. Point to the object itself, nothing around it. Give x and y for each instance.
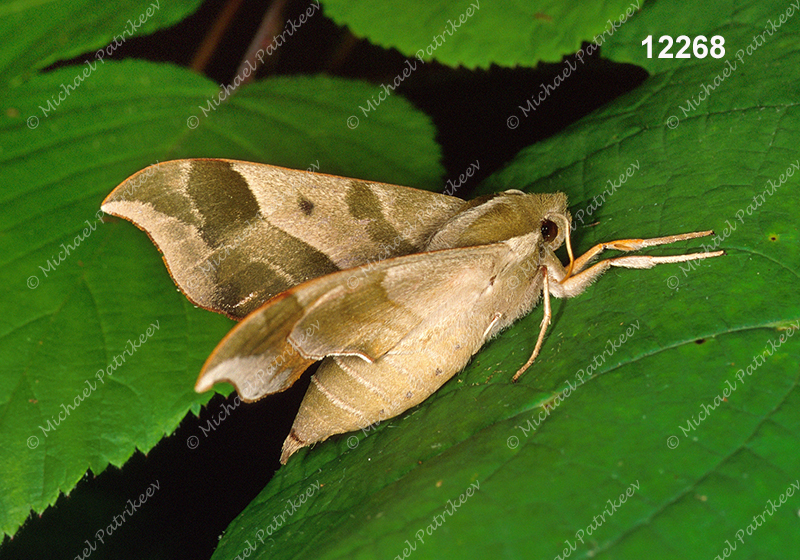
(202, 489)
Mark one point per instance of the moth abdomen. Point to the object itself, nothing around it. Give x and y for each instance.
(348, 393)
(338, 400)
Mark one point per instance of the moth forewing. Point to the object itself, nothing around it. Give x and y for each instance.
(234, 234)
(327, 317)
(257, 357)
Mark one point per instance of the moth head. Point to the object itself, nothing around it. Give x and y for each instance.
(555, 224)
(552, 218)
(549, 221)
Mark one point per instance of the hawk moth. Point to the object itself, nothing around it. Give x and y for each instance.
(394, 289)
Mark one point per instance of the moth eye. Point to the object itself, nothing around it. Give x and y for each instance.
(549, 231)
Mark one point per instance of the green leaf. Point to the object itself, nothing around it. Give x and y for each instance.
(475, 34)
(78, 290)
(57, 31)
(658, 351)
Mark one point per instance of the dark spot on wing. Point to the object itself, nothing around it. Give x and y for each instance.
(306, 206)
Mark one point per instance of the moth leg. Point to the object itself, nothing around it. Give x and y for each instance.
(495, 319)
(580, 277)
(633, 245)
(576, 283)
(543, 327)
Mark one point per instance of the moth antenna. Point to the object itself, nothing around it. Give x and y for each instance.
(569, 251)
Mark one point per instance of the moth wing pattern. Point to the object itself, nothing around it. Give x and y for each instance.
(234, 234)
(334, 316)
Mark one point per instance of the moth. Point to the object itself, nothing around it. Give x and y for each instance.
(394, 289)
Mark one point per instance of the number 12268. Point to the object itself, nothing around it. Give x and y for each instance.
(698, 46)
